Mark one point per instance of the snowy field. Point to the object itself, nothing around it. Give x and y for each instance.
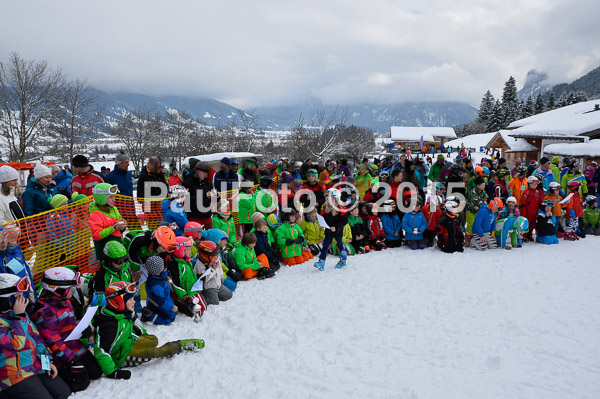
(395, 324)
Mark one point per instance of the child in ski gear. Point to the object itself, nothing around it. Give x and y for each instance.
(160, 308)
(591, 216)
(346, 242)
(22, 374)
(183, 277)
(484, 225)
(574, 212)
(213, 290)
(530, 202)
(556, 196)
(173, 212)
(432, 211)
(392, 225)
(291, 241)
(476, 198)
(546, 221)
(55, 319)
(245, 259)
(377, 236)
(449, 230)
(414, 225)
(223, 220)
(114, 267)
(263, 246)
(246, 206)
(264, 197)
(12, 261)
(359, 231)
(511, 227)
(313, 232)
(336, 222)
(518, 184)
(500, 188)
(122, 343)
(313, 185)
(106, 223)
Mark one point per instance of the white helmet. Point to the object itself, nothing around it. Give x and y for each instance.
(60, 278)
(533, 179)
(10, 284)
(178, 193)
(388, 205)
(554, 185)
(333, 192)
(297, 165)
(452, 203)
(511, 200)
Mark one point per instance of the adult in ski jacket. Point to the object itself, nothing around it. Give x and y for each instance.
(36, 198)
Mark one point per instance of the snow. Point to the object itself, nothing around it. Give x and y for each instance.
(430, 134)
(590, 149)
(572, 120)
(472, 141)
(398, 323)
(207, 115)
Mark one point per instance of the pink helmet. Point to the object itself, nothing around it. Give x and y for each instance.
(182, 244)
(192, 229)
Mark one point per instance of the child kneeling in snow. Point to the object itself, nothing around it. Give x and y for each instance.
(546, 222)
(414, 225)
(160, 308)
(449, 230)
(120, 342)
(245, 259)
(291, 241)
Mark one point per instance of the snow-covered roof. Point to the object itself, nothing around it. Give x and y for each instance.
(590, 149)
(569, 121)
(220, 155)
(430, 134)
(515, 144)
(472, 141)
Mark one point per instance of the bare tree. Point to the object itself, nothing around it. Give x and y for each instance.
(319, 138)
(29, 93)
(180, 125)
(139, 131)
(76, 119)
(355, 142)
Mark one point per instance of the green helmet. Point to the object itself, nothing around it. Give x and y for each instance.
(114, 250)
(102, 190)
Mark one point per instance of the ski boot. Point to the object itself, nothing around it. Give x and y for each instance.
(191, 344)
(320, 264)
(342, 262)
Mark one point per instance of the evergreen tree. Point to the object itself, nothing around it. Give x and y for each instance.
(551, 104)
(562, 100)
(571, 98)
(580, 97)
(496, 120)
(527, 109)
(539, 104)
(510, 105)
(487, 105)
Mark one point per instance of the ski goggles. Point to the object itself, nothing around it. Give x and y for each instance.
(193, 229)
(120, 260)
(112, 190)
(128, 289)
(187, 243)
(21, 286)
(77, 280)
(311, 172)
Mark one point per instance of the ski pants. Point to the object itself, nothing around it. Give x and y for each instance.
(212, 296)
(40, 386)
(146, 349)
(490, 241)
(470, 216)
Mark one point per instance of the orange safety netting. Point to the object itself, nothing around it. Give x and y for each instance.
(63, 237)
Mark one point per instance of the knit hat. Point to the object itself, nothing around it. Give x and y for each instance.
(58, 200)
(41, 170)
(193, 162)
(226, 161)
(202, 166)
(77, 197)
(479, 180)
(556, 159)
(257, 216)
(441, 156)
(8, 173)
(532, 162)
(80, 161)
(251, 161)
(120, 158)
(155, 265)
(501, 161)
(544, 161)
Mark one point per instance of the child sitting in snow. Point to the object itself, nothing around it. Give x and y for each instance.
(223, 220)
(360, 232)
(181, 271)
(449, 231)
(121, 342)
(291, 241)
(545, 226)
(245, 259)
(591, 216)
(160, 308)
(391, 224)
(414, 225)
(432, 211)
(313, 232)
(377, 234)
(214, 291)
(484, 225)
(265, 253)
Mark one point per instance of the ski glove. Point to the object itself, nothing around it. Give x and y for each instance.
(299, 240)
(120, 375)
(289, 241)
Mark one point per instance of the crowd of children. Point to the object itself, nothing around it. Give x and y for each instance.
(185, 267)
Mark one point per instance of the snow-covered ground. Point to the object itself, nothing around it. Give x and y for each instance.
(395, 324)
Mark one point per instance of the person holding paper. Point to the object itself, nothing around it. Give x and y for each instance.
(55, 319)
(210, 271)
(335, 222)
(25, 367)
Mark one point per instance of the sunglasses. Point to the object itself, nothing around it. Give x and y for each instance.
(21, 286)
(128, 289)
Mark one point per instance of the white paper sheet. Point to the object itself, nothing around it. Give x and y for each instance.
(83, 324)
(322, 221)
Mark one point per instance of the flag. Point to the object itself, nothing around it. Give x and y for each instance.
(421, 142)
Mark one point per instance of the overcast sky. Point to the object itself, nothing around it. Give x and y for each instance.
(270, 52)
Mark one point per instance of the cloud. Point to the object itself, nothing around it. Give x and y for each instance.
(269, 52)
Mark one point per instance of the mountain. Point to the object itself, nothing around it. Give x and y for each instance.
(588, 83)
(535, 82)
(377, 117)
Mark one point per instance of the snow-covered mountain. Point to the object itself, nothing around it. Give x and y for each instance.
(535, 82)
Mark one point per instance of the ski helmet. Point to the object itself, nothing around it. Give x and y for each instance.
(573, 185)
(590, 199)
(165, 237)
(388, 205)
(384, 173)
(60, 279)
(522, 224)
(478, 170)
(178, 193)
(208, 253)
(115, 252)
(522, 169)
(182, 244)
(452, 203)
(10, 284)
(193, 229)
(486, 171)
(118, 293)
(101, 191)
(333, 192)
(273, 221)
(311, 172)
(503, 172)
(533, 179)
(439, 186)
(554, 185)
(496, 203)
(511, 200)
